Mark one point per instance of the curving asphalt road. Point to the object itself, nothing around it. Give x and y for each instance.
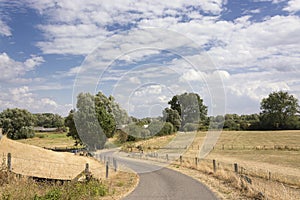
(157, 183)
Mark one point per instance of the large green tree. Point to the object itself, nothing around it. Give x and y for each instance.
(17, 123)
(49, 120)
(172, 116)
(279, 111)
(86, 120)
(69, 122)
(190, 107)
(104, 111)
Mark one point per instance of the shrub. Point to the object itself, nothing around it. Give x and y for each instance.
(190, 127)
(167, 129)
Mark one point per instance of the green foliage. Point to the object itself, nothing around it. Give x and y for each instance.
(26, 132)
(95, 120)
(278, 111)
(104, 112)
(133, 131)
(190, 127)
(160, 128)
(234, 122)
(49, 120)
(155, 127)
(86, 120)
(190, 107)
(75, 191)
(167, 129)
(122, 136)
(17, 123)
(172, 116)
(69, 122)
(54, 194)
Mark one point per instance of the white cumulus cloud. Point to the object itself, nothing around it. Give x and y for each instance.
(12, 69)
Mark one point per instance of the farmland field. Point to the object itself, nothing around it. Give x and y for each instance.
(260, 152)
(270, 158)
(50, 140)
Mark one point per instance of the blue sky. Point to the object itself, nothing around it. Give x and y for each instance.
(233, 53)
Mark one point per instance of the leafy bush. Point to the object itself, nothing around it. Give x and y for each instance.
(54, 194)
(161, 128)
(167, 129)
(17, 123)
(190, 127)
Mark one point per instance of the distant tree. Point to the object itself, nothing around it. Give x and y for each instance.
(17, 123)
(134, 132)
(49, 120)
(279, 111)
(155, 127)
(172, 116)
(104, 108)
(232, 122)
(121, 136)
(160, 128)
(86, 121)
(190, 127)
(190, 107)
(69, 122)
(167, 129)
(120, 115)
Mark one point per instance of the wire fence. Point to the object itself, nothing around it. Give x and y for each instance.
(213, 165)
(52, 169)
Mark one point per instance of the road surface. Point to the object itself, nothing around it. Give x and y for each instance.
(159, 183)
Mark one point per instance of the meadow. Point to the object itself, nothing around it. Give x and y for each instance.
(50, 140)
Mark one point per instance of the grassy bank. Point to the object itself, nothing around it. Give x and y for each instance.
(28, 189)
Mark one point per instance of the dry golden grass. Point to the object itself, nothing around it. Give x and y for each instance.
(229, 185)
(34, 161)
(149, 144)
(258, 152)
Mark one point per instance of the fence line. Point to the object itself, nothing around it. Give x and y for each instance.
(35, 168)
(215, 165)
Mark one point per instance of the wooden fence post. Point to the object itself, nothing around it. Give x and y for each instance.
(214, 166)
(106, 174)
(9, 162)
(236, 168)
(115, 164)
(196, 161)
(180, 158)
(269, 176)
(87, 172)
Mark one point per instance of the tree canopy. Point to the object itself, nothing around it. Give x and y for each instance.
(172, 116)
(17, 123)
(96, 117)
(190, 108)
(278, 111)
(49, 120)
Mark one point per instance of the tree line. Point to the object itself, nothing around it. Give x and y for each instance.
(186, 112)
(19, 123)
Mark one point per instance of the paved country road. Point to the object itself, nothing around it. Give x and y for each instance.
(161, 183)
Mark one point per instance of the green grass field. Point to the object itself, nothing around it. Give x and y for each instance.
(50, 140)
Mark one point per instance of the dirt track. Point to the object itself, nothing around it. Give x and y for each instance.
(35, 161)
